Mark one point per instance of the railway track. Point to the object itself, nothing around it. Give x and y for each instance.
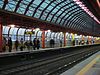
(52, 65)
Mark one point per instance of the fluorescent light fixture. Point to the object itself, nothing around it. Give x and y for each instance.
(60, 32)
(49, 30)
(37, 29)
(12, 25)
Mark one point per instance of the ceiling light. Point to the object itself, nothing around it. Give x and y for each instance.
(12, 25)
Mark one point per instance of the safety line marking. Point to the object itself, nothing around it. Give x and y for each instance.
(87, 67)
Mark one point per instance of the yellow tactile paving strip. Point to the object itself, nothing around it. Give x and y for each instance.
(87, 67)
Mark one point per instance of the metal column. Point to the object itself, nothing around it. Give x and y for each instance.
(1, 34)
(43, 39)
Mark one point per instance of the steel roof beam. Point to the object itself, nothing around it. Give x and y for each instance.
(81, 23)
(59, 10)
(37, 8)
(46, 8)
(69, 15)
(54, 8)
(63, 12)
(17, 6)
(5, 3)
(27, 8)
(76, 16)
(70, 18)
(66, 15)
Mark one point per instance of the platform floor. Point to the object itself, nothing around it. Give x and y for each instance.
(90, 66)
(31, 50)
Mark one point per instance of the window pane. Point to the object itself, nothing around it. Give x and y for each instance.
(39, 33)
(13, 31)
(6, 30)
(21, 31)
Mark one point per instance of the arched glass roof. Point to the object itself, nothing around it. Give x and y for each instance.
(61, 12)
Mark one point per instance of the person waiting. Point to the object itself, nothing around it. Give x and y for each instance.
(10, 44)
(52, 43)
(21, 44)
(16, 45)
(34, 43)
(4, 44)
(38, 43)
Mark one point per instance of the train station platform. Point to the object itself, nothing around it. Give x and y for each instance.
(90, 66)
(13, 52)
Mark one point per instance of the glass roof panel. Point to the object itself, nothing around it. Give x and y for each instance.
(1, 3)
(58, 20)
(26, 1)
(59, 12)
(54, 3)
(44, 5)
(37, 2)
(29, 13)
(44, 15)
(50, 7)
(54, 19)
(33, 5)
(62, 22)
(58, 1)
(37, 15)
(55, 10)
(11, 5)
(21, 10)
(49, 18)
(23, 5)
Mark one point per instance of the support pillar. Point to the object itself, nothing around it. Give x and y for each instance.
(64, 39)
(43, 39)
(1, 34)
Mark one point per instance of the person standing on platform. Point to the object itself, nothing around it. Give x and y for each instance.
(21, 44)
(82, 42)
(52, 43)
(60, 43)
(34, 43)
(38, 43)
(4, 44)
(10, 44)
(30, 44)
(73, 42)
(16, 45)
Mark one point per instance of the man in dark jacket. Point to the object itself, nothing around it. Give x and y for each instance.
(10, 44)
